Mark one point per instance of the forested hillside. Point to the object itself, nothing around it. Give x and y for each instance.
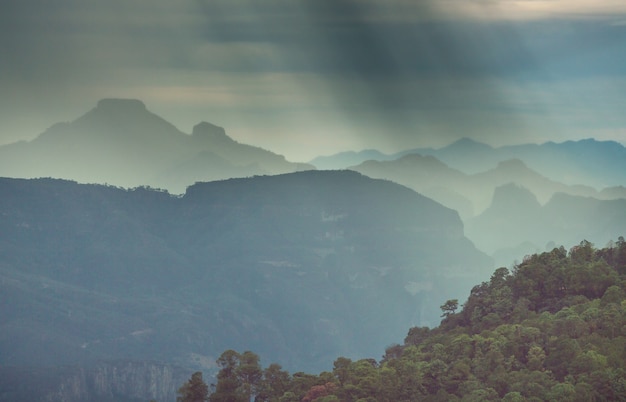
(552, 329)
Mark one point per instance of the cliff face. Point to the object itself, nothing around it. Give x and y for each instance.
(106, 382)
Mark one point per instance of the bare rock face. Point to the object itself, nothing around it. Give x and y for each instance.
(111, 381)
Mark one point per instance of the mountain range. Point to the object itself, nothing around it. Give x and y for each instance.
(516, 224)
(590, 162)
(511, 210)
(300, 267)
(245, 250)
(121, 143)
(471, 194)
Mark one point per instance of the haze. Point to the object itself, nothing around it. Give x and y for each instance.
(317, 77)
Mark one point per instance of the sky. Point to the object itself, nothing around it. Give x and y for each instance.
(314, 77)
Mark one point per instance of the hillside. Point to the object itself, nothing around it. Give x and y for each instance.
(552, 329)
(121, 143)
(300, 267)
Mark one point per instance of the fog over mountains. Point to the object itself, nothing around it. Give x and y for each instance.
(247, 250)
(121, 143)
(298, 267)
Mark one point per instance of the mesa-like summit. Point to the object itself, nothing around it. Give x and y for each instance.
(121, 143)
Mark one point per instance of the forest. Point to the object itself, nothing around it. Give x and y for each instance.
(553, 328)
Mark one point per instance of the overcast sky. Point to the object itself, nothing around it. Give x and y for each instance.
(304, 78)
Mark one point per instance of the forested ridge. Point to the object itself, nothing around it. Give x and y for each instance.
(551, 329)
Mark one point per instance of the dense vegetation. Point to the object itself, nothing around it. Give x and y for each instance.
(552, 329)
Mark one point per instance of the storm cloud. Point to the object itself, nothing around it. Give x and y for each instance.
(314, 77)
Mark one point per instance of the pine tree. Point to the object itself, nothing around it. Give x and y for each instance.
(194, 390)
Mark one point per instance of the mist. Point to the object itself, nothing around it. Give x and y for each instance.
(315, 78)
(313, 184)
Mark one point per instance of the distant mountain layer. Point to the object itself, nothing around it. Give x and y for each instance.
(121, 143)
(515, 218)
(469, 194)
(301, 267)
(590, 162)
(505, 209)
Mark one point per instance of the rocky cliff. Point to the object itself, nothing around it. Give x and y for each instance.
(119, 381)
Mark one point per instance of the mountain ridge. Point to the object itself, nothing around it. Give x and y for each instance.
(121, 142)
(297, 266)
(588, 162)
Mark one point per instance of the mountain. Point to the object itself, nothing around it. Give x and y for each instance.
(589, 162)
(300, 267)
(514, 211)
(516, 171)
(592, 162)
(516, 220)
(113, 381)
(549, 330)
(501, 207)
(426, 175)
(120, 142)
(342, 160)
(468, 194)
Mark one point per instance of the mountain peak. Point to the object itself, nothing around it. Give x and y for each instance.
(117, 105)
(208, 130)
(511, 194)
(465, 143)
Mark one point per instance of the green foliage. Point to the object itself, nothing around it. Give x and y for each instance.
(554, 328)
(449, 307)
(239, 378)
(195, 390)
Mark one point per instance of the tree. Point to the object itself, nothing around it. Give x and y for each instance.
(274, 384)
(449, 307)
(228, 384)
(194, 390)
(249, 373)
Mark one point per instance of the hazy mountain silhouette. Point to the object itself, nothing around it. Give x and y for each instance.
(588, 162)
(516, 222)
(120, 142)
(468, 194)
(342, 160)
(426, 175)
(300, 267)
(597, 163)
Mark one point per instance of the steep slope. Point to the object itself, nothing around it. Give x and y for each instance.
(120, 142)
(298, 267)
(513, 212)
(426, 175)
(550, 330)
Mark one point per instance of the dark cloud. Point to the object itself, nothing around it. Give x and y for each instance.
(417, 71)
